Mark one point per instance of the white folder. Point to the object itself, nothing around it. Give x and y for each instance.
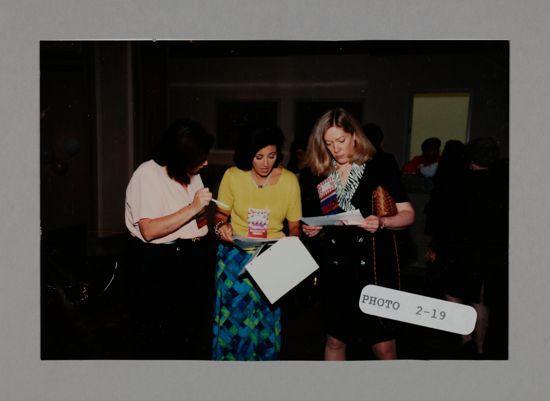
(281, 267)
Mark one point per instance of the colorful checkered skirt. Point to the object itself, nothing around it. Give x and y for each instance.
(246, 326)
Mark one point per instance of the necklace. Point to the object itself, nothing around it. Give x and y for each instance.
(260, 186)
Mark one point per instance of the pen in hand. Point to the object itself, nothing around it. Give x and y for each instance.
(217, 202)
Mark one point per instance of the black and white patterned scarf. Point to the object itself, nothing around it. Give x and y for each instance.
(344, 193)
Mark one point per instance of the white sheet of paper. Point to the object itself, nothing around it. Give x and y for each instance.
(348, 218)
(281, 267)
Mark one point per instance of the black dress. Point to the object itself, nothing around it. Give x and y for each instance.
(351, 257)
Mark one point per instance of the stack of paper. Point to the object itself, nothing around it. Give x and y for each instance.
(251, 243)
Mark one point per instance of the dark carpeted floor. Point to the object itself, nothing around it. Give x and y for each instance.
(83, 320)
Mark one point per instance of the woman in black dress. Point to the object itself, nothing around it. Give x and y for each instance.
(341, 156)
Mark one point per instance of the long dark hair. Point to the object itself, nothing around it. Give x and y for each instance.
(252, 138)
(184, 146)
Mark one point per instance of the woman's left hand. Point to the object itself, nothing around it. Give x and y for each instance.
(225, 232)
(371, 223)
(311, 231)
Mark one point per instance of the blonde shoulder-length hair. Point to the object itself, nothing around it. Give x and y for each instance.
(318, 157)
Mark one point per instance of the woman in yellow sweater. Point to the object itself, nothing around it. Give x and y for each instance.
(260, 195)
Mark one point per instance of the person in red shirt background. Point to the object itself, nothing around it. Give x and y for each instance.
(425, 164)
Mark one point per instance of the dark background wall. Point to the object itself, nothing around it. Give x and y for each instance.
(103, 104)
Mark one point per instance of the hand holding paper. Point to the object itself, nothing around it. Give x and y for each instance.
(311, 231)
(352, 218)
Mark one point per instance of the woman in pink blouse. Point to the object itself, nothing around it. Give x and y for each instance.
(165, 214)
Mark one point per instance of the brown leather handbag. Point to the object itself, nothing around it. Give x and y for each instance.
(383, 204)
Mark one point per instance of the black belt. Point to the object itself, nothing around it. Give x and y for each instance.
(182, 241)
(176, 242)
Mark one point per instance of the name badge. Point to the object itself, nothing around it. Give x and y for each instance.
(258, 220)
(327, 195)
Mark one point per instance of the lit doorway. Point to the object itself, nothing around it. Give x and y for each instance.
(445, 115)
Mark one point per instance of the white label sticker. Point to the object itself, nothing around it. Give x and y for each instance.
(417, 309)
